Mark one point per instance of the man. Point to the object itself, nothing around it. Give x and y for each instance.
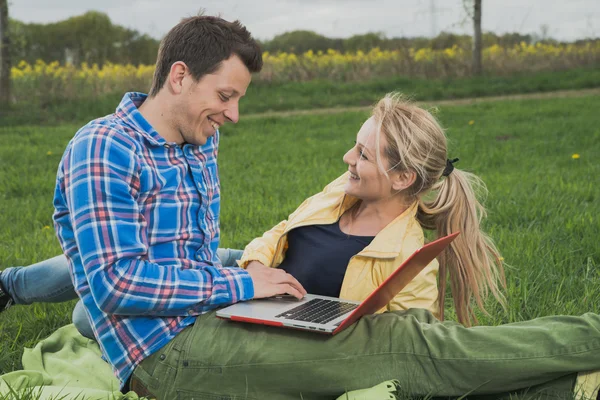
(137, 210)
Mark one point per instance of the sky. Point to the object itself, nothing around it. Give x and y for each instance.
(565, 20)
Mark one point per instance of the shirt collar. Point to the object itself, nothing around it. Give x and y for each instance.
(128, 111)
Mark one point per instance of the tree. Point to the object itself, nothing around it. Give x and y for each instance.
(301, 41)
(473, 12)
(365, 42)
(5, 64)
(90, 37)
(477, 63)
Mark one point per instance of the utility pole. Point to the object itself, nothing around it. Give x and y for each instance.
(4, 55)
(477, 63)
(433, 13)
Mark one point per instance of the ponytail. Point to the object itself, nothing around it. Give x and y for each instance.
(472, 260)
(416, 142)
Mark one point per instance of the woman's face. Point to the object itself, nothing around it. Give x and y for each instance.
(367, 182)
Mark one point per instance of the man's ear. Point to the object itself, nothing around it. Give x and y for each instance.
(403, 180)
(176, 76)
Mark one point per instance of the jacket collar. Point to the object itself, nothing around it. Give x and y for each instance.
(388, 243)
(329, 206)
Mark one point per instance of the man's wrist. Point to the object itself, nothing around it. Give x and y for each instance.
(242, 286)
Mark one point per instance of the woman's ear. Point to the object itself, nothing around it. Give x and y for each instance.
(403, 180)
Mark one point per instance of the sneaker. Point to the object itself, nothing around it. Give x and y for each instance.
(5, 300)
(385, 390)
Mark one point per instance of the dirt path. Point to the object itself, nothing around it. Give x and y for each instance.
(453, 102)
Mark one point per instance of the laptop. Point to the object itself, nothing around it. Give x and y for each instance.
(330, 315)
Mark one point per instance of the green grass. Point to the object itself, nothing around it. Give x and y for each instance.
(263, 97)
(544, 206)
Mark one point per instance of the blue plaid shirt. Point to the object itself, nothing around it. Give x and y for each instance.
(138, 219)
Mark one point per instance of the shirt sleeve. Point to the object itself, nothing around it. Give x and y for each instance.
(101, 184)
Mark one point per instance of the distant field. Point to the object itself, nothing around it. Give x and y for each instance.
(544, 202)
(56, 108)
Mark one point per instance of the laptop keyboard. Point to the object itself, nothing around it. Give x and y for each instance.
(318, 311)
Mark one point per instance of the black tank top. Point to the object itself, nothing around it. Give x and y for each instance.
(318, 256)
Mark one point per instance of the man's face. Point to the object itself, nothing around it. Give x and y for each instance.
(208, 103)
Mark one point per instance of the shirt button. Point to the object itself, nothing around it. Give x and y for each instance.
(162, 357)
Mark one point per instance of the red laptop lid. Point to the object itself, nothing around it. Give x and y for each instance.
(398, 280)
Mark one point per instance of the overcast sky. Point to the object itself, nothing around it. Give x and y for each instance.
(565, 19)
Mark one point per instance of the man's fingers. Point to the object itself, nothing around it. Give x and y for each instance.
(290, 280)
(297, 285)
(271, 282)
(278, 273)
(289, 289)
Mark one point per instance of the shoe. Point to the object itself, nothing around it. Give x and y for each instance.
(385, 390)
(5, 300)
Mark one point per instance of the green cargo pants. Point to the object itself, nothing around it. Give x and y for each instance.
(217, 359)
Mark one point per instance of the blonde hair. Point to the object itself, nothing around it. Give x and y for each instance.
(416, 142)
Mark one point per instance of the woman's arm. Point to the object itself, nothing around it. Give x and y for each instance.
(264, 249)
(421, 292)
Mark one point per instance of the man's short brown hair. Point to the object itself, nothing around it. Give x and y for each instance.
(203, 43)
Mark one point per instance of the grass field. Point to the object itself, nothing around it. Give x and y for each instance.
(544, 202)
(53, 108)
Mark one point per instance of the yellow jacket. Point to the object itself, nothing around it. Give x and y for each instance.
(369, 268)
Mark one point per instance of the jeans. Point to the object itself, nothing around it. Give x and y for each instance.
(49, 281)
(220, 359)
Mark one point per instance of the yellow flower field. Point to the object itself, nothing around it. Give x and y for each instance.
(55, 80)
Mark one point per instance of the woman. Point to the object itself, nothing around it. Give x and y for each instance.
(383, 203)
(349, 238)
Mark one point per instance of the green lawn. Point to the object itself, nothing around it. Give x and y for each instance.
(544, 205)
(262, 97)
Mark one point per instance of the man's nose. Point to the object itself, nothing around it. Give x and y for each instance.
(233, 113)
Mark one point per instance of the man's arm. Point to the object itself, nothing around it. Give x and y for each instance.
(101, 183)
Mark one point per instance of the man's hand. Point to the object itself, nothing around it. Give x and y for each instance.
(273, 281)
